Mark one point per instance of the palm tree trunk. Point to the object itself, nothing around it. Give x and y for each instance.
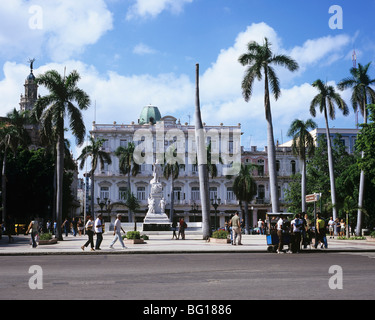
(303, 185)
(172, 199)
(330, 167)
(202, 164)
(130, 213)
(92, 190)
(4, 186)
(60, 174)
(271, 149)
(247, 217)
(361, 182)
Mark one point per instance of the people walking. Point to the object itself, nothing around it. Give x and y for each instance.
(261, 226)
(117, 233)
(80, 226)
(181, 230)
(331, 228)
(99, 231)
(279, 228)
(236, 229)
(296, 225)
(321, 232)
(66, 226)
(33, 227)
(90, 233)
(174, 229)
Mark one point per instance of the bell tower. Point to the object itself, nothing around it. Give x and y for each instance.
(31, 90)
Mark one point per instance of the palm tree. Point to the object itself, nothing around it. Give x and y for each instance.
(98, 156)
(171, 169)
(202, 162)
(52, 110)
(245, 188)
(260, 58)
(12, 134)
(127, 165)
(326, 100)
(362, 94)
(303, 146)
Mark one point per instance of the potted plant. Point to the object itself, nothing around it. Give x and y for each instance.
(46, 239)
(134, 237)
(220, 236)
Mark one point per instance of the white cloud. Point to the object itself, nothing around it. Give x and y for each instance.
(143, 49)
(152, 8)
(60, 28)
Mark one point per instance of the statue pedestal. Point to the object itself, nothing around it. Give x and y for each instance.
(156, 219)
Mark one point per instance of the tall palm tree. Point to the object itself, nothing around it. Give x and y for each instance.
(12, 134)
(128, 166)
(259, 58)
(326, 100)
(303, 146)
(171, 170)
(245, 188)
(362, 94)
(98, 156)
(202, 162)
(64, 101)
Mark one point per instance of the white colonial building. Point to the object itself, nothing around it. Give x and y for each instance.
(154, 134)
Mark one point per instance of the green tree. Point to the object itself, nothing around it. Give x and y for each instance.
(260, 59)
(245, 189)
(303, 146)
(128, 165)
(362, 94)
(98, 157)
(52, 110)
(12, 135)
(326, 100)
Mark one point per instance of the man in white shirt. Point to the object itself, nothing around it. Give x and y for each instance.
(296, 224)
(99, 231)
(331, 224)
(279, 227)
(117, 233)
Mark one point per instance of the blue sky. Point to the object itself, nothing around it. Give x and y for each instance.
(131, 53)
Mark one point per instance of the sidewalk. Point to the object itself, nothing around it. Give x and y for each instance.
(161, 243)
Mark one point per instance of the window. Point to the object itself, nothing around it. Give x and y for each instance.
(277, 165)
(104, 193)
(195, 195)
(124, 143)
(141, 193)
(261, 192)
(122, 193)
(213, 193)
(177, 193)
(293, 165)
(230, 194)
(261, 167)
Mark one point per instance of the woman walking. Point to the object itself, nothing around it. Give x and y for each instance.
(90, 234)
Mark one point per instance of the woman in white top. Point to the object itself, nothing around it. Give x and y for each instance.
(90, 233)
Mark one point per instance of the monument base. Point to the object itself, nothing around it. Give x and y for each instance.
(156, 222)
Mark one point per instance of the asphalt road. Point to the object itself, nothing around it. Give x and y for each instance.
(190, 277)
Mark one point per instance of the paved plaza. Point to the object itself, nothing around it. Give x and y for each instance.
(160, 242)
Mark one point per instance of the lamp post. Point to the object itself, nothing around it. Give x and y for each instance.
(194, 209)
(215, 203)
(104, 203)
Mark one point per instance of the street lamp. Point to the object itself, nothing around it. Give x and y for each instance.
(215, 203)
(194, 209)
(104, 203)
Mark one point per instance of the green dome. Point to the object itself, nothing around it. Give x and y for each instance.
(149, 114)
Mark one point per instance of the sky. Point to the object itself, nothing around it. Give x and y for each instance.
(132, 53)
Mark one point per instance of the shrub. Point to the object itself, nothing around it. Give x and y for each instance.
(133, 235)
(45, 236)
(220, 234)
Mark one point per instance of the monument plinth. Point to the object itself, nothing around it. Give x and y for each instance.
(156, 219)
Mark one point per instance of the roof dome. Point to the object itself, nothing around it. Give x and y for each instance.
(31, 77)
(149, 114)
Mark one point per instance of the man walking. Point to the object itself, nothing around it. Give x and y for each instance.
(117, 233)
(99, 231)
(296, 224)
(236, 229)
